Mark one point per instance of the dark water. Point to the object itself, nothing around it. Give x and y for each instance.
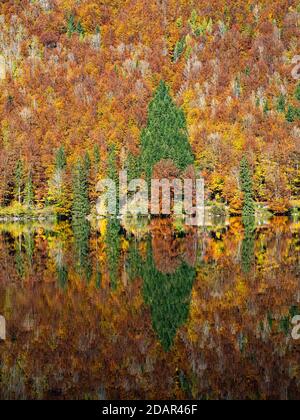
(149, 311)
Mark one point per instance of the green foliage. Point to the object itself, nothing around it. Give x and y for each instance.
(57, 192)
(29, 245)
(60, 159)
(165, 136)
(168, 296)
(247, 189)
(29, 192)
(19, 181)
(134, 265)
(179, 49)
(200, 28)
(71, 26)
(87, 163)
(19, 260)
(112, 170)
(281, 103)
(248, 215)
(62, 276)
(96, 155)
(80, 30)
(133, 166)
(267, 108)
(113, 247)
(81, 204)
(248, 244)
(293, 114)
(82, 230)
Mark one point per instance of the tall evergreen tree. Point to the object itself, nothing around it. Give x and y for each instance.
(57, 194)
(291, 114)
(80, 30)
(71, 26)
(179, 49)
(60, 159)
(19, 181)
(87, 163)
(81, 204)
(247, 189)
(112, 170)
(281, 103)
(165, 136)
(29, 192)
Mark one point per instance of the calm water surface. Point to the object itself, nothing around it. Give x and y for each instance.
(149, 311)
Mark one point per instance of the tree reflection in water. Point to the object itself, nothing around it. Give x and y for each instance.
(164, 314)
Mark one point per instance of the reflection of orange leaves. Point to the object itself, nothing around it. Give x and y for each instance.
(170, 251)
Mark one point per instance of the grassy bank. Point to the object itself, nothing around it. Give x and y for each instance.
(17, 212)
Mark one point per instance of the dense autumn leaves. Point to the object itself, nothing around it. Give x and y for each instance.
(222, 333)
(81, 74)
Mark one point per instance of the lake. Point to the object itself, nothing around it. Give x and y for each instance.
(149, 310)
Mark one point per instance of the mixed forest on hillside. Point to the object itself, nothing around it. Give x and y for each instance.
(163, 88)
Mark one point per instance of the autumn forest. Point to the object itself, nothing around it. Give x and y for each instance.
(78, 77)
(143, 308)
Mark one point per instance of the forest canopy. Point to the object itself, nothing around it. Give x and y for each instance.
(78, 79)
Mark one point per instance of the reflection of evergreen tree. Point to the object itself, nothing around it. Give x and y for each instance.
(133, 263)
(113, 247)
(168, 296)
(248, 244)
(81, 230)
(61, 268)
(29, 246)
(19, 257)
(98, 278)
(62, 276)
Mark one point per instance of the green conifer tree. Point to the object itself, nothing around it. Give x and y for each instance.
(71, 26)
(247, 188)
(60, 159)
(57, 192)
(81, 204)
(281, 103)
(291, 114)
(80, 30)
(179, 48)
(29, 192)
(112, 170)
(113, 247)
(19, 181)
(165, 136)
